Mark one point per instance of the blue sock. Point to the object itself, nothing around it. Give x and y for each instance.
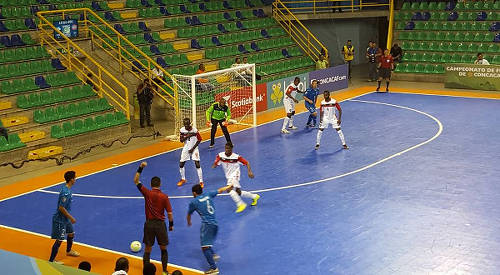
(309, 119)
(55, 249)
(314, 120)
(209, 254)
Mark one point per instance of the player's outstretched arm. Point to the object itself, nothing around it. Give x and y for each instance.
(224, 189)
(216, 162)
(139, 171)
(250, 173)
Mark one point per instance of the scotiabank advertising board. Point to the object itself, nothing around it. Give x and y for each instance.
(240, 100)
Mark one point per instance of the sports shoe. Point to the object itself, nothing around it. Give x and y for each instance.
(292, 127)
(241, 207)
(216, 257)
(345, 146)
(378, 89)
(284, 131)
(58, 262)
(212, 271)
(201, 184)
(73, 253)
(316, 147)
(254, 202)
(211, 146)
(387, 90)
(181, 182)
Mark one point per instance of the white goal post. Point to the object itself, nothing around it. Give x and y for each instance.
(198, 92)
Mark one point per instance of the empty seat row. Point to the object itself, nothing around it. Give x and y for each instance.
(441, 6)
(12, 142)
(88, 125)
(419, 68)
(38, 82)
(25, 53)
(226, 27)
(440, 58)
(55, 96)
(286, 65)
(16, 41)
(209, 18)
(447, 16)
(449, 26)
(26, 68)
(447, 36)
(451, 47)
(71, 110)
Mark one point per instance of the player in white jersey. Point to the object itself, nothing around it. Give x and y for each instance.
(231, 165)
(289, 102)
(191, 138)
(328, 116)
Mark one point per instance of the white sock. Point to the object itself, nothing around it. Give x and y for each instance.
(318, 137)
(341, 135)
(290, 122)
(285, 123)
(200, 174)
(236, 198)
(183, 173)
(247, 194)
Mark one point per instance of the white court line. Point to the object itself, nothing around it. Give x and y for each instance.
(440, 130)
(101, 249)
(127, 163)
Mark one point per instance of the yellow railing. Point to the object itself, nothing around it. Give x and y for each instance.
(391, 24)
(318, 6)
(66, 49)
(299, 33)
(104, 36)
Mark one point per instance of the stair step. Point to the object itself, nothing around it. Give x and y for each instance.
(4, 105)
(31, 136)
(45, 152)
(14, 121)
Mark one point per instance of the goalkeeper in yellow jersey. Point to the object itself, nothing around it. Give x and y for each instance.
(218, 113)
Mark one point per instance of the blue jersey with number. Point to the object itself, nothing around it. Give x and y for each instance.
(65, 198)
(311, 94)
(204, 206)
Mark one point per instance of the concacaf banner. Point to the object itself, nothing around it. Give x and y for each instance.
(477, 77)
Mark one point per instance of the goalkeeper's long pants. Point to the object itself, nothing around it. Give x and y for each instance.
(214, 130)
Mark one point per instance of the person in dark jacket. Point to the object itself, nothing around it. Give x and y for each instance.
(145, 97)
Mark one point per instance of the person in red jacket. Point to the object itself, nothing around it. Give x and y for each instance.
(386, 65)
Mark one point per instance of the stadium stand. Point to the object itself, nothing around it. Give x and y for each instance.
(437, 33)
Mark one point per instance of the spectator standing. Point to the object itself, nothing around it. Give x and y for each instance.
(321, 63)
(121, 266)
(348, 52)
(371, 53)
(85, 266)
(397, 53)
(480, 60)
(248, 72)
(218, 113)
(386, 66)
(145, 97)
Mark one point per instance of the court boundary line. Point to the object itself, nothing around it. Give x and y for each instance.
(368, 166)
(416, 92)
(155, 155)
(99, 248)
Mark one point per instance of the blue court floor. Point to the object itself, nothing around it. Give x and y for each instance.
(416, 193)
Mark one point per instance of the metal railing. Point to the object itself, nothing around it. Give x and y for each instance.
(298, 32)
(66, 49)
(129, 57)
(318, 6)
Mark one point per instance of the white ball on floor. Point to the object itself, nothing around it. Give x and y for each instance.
(135, 246)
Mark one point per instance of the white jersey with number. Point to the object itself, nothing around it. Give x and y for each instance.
(288, 103)
(231, 166)
(189, 143)
(328, 109)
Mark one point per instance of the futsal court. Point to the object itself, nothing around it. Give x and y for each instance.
(416, 193)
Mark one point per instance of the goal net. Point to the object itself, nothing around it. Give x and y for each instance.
(236, 85)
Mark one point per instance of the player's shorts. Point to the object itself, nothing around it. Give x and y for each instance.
(61, 229)
(185, 156)
(289, 105)
(310, 107)
(208, 234)
(234, 182)
(384, 73)
(155, 229)
(325, 123)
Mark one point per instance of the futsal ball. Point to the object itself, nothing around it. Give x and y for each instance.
(135, 246)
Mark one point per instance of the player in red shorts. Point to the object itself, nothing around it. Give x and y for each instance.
(386, 64)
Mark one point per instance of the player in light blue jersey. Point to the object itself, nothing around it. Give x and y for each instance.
(62, 221)
(202, 203)
(310, 97)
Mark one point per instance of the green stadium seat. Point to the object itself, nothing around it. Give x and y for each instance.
(493, 48)
(429, 69)
(432, 6)
(436, 58)
(410, 68)
(456, 58)
(419, 68)
(56, 131)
